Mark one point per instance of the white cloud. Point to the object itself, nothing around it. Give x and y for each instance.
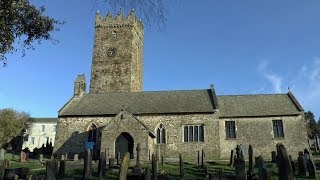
(273, 78)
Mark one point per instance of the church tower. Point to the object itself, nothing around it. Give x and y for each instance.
(117, 54)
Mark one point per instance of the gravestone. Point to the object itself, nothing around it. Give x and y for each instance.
(158, 153)
(239, 151)
(199, 154)
(124, 167)
(260, 165)
(162, 161)
(266, 175)
(118, 158)
(311, 169)
(301, 168)
(75, 157)
(137, 168)
(202, 157)
(2, 154)
(87, 165)
(231, 158)
(66, 156)
(154, 168)
(111, 162)
(22, 156)
(62, 168)
(240, 168)
(250, 154)
(102, 165)
(3, 166)
(284, 168)
(273, 156)
(41, 158)
(51, 170)
(63, 157)
(181, 166)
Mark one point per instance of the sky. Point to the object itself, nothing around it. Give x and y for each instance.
(242, 47)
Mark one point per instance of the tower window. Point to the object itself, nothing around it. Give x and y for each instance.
(161, 134)
(114, 34)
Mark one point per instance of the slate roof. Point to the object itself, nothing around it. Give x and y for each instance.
(153, 102)
(258, 105)
(186, 101)
(44, 120)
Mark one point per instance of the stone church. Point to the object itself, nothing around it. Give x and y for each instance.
(115, 115)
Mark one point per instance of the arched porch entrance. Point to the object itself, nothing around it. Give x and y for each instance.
(124, 143)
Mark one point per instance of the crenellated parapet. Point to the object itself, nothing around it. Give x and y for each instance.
(118, 21)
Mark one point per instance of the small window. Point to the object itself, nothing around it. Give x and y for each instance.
(43, 128)
(278, 129)
(193, 133)
(32, 140)
(230, 129)
(114, 34)
(161, 134)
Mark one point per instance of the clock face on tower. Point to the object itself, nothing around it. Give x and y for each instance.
(111, 52)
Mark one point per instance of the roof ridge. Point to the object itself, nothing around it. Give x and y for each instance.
(269, 94)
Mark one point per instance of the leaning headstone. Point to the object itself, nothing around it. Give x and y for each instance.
(240, 168)
(124, 167)
(87, 165)
(284, 168)
(102, 165)
(41, 158)
(181, 166)
(301, 168)
(273, 156)
(231, 158)
(62, 168)
(311, 169)
(75, 157)
(2, 154)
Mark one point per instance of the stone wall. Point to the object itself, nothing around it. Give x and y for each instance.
(120, 71)
(259, 133)
(175, 144)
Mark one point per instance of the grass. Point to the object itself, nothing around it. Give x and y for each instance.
(172, 169)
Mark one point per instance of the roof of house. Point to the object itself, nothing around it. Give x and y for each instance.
(153, 102)
(184, 101)
(44, 120)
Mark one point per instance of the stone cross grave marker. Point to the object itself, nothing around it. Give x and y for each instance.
(137, 168)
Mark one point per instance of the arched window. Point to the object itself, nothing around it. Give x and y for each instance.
(161, 134)
(92, 136)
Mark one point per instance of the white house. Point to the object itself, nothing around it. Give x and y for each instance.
(41, 131)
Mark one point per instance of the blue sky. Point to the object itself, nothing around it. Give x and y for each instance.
(242, 47)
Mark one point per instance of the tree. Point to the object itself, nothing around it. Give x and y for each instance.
(23, 23)
(312, 126)
(12, 124)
